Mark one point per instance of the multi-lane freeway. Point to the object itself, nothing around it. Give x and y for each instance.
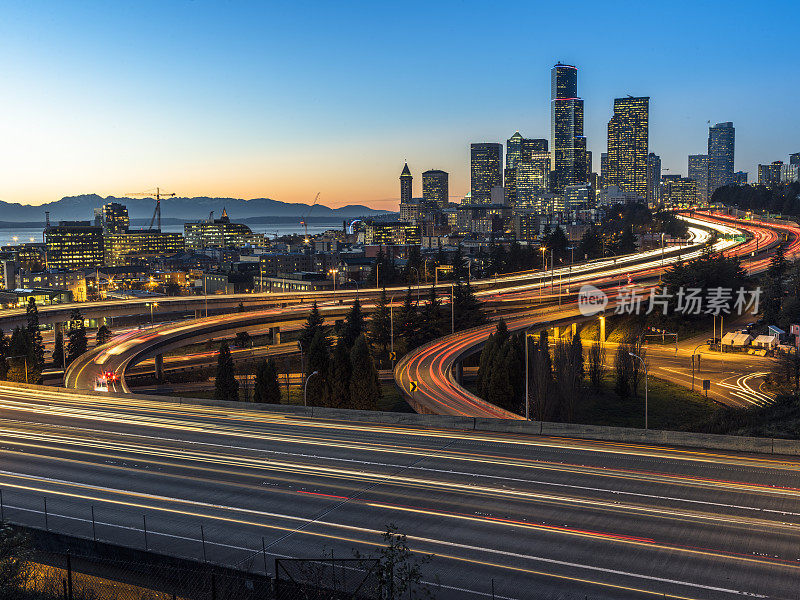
(542, 517)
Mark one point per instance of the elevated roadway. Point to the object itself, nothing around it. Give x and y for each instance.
(428, 376)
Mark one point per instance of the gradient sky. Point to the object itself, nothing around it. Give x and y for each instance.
(287, 99)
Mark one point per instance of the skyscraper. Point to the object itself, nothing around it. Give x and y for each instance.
(740, 178)
(653, 178)
(794, 159)
(721, 144)
(486, 171)
(698, 170)
(603, 169)
(628, 144)
(405, 185)
(568, 146)
(531, 146)
(435, 187)
(770, 175)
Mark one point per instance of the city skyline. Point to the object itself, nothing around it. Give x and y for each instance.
(188, 98)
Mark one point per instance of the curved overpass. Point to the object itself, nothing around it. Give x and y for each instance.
(429, 370)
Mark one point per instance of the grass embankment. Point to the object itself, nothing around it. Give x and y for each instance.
(780, 419)
(670, 406)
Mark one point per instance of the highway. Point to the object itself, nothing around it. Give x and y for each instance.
(543, 517)
(427, 373)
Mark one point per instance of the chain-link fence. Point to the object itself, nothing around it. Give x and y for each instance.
(327, 579)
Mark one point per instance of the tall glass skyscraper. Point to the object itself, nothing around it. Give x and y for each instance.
(628, 137)
(721, 144)
(698, 170)
(486, 171)
(653, 178)
(435, 187)
(568, 146)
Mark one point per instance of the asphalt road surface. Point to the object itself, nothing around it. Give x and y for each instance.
(543, 517)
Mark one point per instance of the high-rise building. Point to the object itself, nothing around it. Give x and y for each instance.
(405, 184)
(740, 178)
(567, 144)
(794, 159)
(770, 175)
(653, 178)
(628, 145)
(513, 150)
(74, 245)
(721, 146)
(698, 170)
(435, 187)
(678, 190)
(532, 179)
(790, 173)
(486, 171)
(115, 218)
(531, 146)
(603, 169)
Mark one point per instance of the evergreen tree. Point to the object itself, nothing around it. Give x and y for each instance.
(34, 333)
(778, 264)
(407, 322)
(226, 386)
(266, 389)
(431, 320)
(542, 380)
(460, 269)
(102, 337)
(312, 325)
(76, 336)
(353, 324)
(319, 361)
(557, 241)
(4, 353)
(380, 327)
(58, 349)
(485, 366)
(468, 311)
(22, 358)
(365, 389)
(341, 375)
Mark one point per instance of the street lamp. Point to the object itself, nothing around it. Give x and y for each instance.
(334, 272)
(544, 269)
(305, 388)
(152, 305)
(644, 364)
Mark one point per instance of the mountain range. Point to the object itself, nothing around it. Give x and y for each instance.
(81, 208)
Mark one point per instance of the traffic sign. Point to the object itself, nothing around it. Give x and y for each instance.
(706, 384)
(412, 386)
(392, 355)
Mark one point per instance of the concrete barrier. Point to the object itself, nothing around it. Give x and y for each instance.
(459, 423)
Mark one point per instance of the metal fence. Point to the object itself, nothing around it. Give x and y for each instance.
(327, 579)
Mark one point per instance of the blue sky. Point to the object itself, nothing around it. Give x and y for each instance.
(289, 99)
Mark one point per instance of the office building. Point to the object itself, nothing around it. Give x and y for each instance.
(486, 171)
(73, 245)
(435, 188)
(677, 190)
(740, 178)
(628, 145)
(770, 175)
(219, 233)
(567, 144)
(520, 154)
(790, 173)
(533, 146)
(113, 218)
(392, 233)
(794, 159)
(131, 247)
(698, 170)
(406, 180)
(721, 146)
(603, 169)
(653, 178)
(532, 178)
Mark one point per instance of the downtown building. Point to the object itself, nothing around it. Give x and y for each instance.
(770, 175)
(653, 179)
(721, 146)
(567, 143)
(698, 170)
(137, 246)
(219, 233)
(527, 172)
(486, 171)
(112, 217)
(628, 136)
(435, 188)
(72, 245)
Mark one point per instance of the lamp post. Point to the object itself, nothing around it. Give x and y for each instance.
(698, 362)
(334, 272)
(544, 269)
(305, 388)
(527, 377)
(644, 364)
(152, 305)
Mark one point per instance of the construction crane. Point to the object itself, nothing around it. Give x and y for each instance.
(157, 212)
(308, 212)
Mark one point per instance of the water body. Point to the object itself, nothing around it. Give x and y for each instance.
(35, 234)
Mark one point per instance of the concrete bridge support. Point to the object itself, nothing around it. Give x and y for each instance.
(159, 360)
(275, 333)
